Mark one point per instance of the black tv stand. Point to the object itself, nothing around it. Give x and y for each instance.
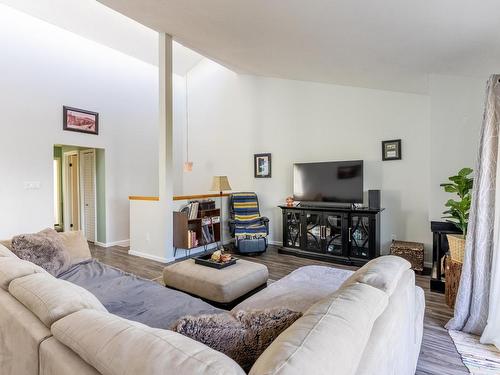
(338, 234)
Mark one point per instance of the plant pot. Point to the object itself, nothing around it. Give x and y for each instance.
(456, 244)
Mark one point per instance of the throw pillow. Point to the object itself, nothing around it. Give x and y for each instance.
(45, 249)
(242, 335)
(76, 245)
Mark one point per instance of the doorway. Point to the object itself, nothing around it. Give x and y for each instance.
(78, 187)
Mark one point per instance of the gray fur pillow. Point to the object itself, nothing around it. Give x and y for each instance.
(242, 336)
(44, 248)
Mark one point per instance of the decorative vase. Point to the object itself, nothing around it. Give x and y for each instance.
(456, 243)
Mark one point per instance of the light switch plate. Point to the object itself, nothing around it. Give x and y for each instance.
(32, 185)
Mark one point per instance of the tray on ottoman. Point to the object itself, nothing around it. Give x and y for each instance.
(205, 260)
(222, 286)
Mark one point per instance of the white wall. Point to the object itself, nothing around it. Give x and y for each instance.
(43, 68)
(234, 116)
(457, 105)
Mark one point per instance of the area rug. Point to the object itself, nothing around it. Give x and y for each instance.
(480, 359)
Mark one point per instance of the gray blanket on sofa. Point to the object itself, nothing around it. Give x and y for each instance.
(134, 298)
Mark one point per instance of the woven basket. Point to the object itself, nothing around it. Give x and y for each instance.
(457, 247)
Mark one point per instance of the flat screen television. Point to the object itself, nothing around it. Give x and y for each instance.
(328, 182)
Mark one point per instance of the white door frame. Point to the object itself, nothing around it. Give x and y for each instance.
(82, 215)
(66, 187)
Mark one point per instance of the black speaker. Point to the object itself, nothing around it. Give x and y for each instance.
(374, 199)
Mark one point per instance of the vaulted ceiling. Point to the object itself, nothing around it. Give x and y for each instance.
(389, 44)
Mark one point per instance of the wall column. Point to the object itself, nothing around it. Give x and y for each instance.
(166, 142)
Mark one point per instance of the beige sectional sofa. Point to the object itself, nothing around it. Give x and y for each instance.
(371, 325)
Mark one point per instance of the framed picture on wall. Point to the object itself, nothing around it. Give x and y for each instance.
(262, 165)
(391, 150)
(80, 120)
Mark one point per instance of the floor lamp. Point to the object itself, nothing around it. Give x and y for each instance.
(221, 184)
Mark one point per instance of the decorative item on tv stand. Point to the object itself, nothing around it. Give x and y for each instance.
(458, 211)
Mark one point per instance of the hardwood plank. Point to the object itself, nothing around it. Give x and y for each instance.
(438, 355)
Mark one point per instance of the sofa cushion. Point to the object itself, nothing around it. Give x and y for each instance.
(329, 338)
(44, 248)
(51, 299)
(242, 336)
(76, 245)
(382, 273)
(13, 268)
(21, 333)
(6, 252)
(116, 346)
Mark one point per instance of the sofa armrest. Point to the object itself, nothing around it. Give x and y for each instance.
(232, 224)
(265, 220)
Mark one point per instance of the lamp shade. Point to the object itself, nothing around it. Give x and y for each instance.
(220, 183)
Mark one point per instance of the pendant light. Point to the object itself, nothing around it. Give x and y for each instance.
(188, 165)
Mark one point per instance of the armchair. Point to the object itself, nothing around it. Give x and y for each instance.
(249, 229)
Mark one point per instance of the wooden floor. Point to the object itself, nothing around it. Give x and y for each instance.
(437, 357)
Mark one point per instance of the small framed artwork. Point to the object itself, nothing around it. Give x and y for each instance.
(391, 150)
(262, 165)
(80, 120)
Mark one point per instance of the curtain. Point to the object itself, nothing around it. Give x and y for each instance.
(491, 334)
(472, 303)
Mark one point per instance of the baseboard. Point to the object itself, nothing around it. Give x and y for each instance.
(276, 243)
(151, 257)
(122, 243)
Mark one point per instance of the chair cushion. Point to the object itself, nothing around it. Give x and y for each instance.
(76, 245)
(13, 268)
(44, 248)
(329, 338)
(242, 335)
(382, 273)
(51, 299)
(6, 252)
(116, 346)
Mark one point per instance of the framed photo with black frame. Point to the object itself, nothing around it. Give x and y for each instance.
(80, 120)
(391, 150)
(262, 165)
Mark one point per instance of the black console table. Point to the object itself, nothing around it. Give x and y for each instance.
(342, 235)
(439, 249)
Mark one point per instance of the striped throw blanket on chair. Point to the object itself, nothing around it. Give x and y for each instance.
(247, 219)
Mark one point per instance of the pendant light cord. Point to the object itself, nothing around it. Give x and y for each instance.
(187, 119)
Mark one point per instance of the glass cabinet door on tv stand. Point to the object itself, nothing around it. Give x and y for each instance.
(292, 228)
(345, 235)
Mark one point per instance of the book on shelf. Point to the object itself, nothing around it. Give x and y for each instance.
(191, 209)
(192, 240)
(207, 234)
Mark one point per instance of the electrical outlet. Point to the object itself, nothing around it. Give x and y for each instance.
(148, 238)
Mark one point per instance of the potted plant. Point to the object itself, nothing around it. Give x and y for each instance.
(458, 210)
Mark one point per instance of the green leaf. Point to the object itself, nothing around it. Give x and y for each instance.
(465, 172)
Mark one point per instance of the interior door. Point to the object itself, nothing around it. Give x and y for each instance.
(333, 233)
(314, 231)
(88, 193)
(74, 192)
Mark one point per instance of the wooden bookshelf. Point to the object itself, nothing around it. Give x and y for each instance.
(182, 226)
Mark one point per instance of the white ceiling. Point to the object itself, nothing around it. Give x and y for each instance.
(391, 44)
(103, 25)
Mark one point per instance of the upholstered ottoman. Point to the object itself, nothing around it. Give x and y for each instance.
(222, 286)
